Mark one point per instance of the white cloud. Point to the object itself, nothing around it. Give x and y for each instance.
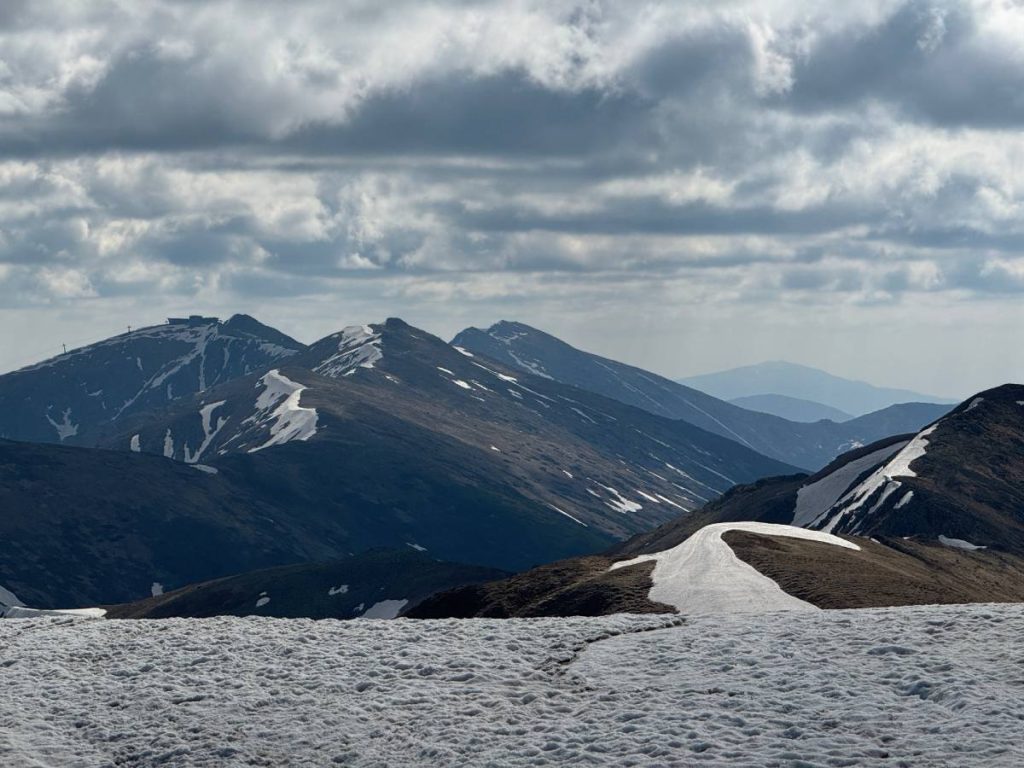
(736, 156)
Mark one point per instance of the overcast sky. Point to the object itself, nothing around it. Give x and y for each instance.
(683, 185)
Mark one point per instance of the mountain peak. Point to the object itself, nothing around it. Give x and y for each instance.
(70, 396)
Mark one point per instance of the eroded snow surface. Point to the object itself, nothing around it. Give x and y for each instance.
(926, 686)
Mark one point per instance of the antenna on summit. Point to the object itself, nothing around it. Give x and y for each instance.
(65, 348)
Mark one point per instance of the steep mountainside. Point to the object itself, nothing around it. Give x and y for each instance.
(379, 436)
(961, 479)
(809, 446)
(398, 432)
(939, 517)
(81, 526)
(792, 408)
(801, 381)
(68, 398)
(378, 584)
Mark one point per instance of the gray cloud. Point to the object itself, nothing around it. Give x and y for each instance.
(409, 157)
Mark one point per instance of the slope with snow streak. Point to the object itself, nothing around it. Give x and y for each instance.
(703, 575)
(278, 408)
(883, 478)
(814, 499)
(78, 397)
(359, 346)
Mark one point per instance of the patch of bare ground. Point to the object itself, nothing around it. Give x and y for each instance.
(896, 572)
(578, 587)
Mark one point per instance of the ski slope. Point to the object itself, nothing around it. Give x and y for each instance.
(906, 686)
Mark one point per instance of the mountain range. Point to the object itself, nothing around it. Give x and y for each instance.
(933, 517)
(805, 383)
(810, 446)
(376, 436)
(205, 450)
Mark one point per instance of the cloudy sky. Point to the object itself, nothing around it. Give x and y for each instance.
(684, 185)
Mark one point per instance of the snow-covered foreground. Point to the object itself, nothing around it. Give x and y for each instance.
(913, 686)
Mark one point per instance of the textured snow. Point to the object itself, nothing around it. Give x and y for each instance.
(926, 686)
(461, 383)
(156, 589)
(337, 590)
(168, 444)
(134, 444)
(974, 404)
(359, 346)
(703, 574)
(958, 544)
(814, 499)
(385, 609)
(279, 401)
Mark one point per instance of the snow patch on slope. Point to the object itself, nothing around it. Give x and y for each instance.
(8, 599)
(209, 431)
(620, 503)
(814, 499)
(359, 346)
(704, 576)
(64, 427)
(898, 466)
(279, 402)
(385, 609)
(959, 544)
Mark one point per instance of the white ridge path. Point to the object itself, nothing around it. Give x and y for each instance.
(704, 576)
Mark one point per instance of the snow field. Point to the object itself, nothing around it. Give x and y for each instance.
(884, 687)
(703, 574)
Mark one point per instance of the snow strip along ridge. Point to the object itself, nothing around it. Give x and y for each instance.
(359, 346)
(815, 499)
(12, 608)
(898, 466)
(21, 612)
(278, 406)
(704, 576)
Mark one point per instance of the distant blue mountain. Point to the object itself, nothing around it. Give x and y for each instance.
(805, 383)
(792, 408)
